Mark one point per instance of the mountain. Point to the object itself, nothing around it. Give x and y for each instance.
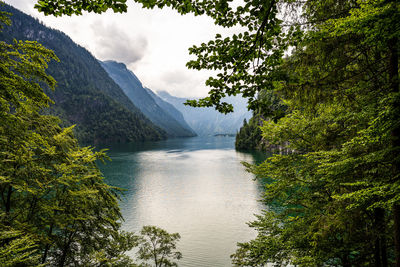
(208, 121)
(160, 113)
(85, 95)
(170, 109)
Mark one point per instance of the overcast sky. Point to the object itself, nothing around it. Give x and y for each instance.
(152, 43)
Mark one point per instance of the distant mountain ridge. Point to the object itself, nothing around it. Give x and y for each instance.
(208, 121)
(85, 95)
(157, 110)
(170, 109)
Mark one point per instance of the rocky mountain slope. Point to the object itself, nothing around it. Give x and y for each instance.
(208, 121)
(158, 111)
(85, 94)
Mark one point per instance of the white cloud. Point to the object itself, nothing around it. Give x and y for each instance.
(112, 43)
(174, 77)
(153, 43)
(23, 5)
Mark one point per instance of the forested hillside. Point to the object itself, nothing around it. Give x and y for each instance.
(335, 199)
(249, 137)
(55, 208)
(144, 99)
(207, 121)
(85, 95)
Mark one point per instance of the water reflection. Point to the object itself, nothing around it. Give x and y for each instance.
(194, 186)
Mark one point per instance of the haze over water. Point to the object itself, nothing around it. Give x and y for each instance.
(194, 186)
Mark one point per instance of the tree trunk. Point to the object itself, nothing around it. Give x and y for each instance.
(8, 206)
(61, 262)
(396, 214)
(66, 248)
(46, 249)
(8, 202)
(377, 253)
(384, 248)
(32, 209)
(394, 85)
(380, 238)
(384, 252)
(346, 261)
(65, 251)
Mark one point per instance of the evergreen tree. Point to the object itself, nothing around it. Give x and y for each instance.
(336, 199)
(86, 96)
(54, 205)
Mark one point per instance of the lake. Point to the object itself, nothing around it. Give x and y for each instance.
(194, 186)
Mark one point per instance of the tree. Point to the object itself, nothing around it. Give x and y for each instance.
(159, 246)
(17, 249)
(306, 223)
(55, 208)
(245, 60)
(342, 125)
(335, 65)
(269, 108)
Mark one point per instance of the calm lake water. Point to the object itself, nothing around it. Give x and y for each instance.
(194, 186)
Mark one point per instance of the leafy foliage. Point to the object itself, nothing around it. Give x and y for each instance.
(85, 95)
(159, 246)
(334, 200)
(65, 7)
(258, 50)
(55, 208)
(17, 249)
(249, 137)
(335, 64)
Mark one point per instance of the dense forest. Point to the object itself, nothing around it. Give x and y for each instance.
(249, 137)
(334, 64)
(145, 100)
(333, 201)
(85, 95)
(55, 208)
(43, 173)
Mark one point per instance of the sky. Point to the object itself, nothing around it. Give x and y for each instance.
(152, 43)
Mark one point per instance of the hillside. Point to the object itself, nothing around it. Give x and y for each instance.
(85, 94)
(170, 109)
(160, 113)
(250, 137)
(208, 121)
